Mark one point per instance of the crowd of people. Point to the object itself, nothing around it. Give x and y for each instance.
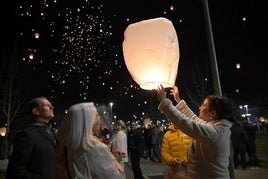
(192, 146)
(243, 140)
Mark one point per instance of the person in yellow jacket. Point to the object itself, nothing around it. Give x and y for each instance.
(173, 153)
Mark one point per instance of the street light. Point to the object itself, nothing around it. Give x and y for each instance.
(246, 106)
(111, 104)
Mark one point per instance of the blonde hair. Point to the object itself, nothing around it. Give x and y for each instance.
(76, 130)
(122, 123)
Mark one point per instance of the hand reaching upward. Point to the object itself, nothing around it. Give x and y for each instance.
(176, 94)
(161, 93)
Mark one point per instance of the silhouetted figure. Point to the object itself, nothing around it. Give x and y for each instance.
(134, 145)
(155, 143)
(148, 145)
(251, 145)
(239, 140)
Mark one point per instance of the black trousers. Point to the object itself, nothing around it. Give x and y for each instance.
(135, 163)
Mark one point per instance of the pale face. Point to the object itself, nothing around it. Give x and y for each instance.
(96, 125)
(118, 126)
(45, 112)
(204, 111)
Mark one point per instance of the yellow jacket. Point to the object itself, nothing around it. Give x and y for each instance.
(174, 145)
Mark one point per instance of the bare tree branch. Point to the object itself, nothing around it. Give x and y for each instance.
(198, 83)
(10, 89)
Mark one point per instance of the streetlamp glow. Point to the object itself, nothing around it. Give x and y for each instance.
(111, 104)
(246, 106)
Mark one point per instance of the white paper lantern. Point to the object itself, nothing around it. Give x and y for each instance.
(151, 52)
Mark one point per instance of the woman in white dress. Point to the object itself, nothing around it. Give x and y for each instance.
(118, 141)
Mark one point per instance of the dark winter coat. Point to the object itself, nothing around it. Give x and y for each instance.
(33, 154)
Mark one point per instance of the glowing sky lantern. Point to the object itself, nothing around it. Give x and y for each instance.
(151, 52)
(31, 56)
(238, 65)
(36, 35)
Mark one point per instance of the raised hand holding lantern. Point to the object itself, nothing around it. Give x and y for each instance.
(151, 52)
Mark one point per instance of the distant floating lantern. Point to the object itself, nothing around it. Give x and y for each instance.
(3, 131)
(238, 65)
(36, 35)
(151, 52)
(31, 56)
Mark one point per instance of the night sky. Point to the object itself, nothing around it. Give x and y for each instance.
(78, 55)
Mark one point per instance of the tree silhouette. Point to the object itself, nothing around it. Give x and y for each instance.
(11, 98)
(198, 83)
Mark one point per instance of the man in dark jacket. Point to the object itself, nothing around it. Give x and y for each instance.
(134, 148)
(155, 143)
(34, 146)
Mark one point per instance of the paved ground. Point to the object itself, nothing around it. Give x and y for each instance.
(149, 170)
(154, 171)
